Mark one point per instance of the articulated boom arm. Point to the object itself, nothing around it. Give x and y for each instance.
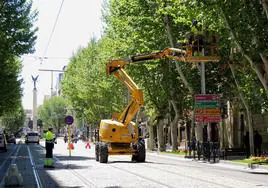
(116, 67)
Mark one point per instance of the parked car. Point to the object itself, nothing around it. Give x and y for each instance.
(3, 142)
(32, 137)
(11, 139)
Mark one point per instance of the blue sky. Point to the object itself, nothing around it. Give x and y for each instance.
(79, 20)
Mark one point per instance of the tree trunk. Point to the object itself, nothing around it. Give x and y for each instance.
(171, 43)
(151, 137)
(173, 127)
(265, 62)
(160, 135)
(182, 77)
(249, 119)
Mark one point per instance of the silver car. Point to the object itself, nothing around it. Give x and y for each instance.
(32, 137)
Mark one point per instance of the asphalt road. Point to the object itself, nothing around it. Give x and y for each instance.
(81, 170)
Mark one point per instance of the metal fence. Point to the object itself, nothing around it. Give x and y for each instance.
(206, 151)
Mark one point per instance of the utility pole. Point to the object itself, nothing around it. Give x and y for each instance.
(199, 129)
(52, 71)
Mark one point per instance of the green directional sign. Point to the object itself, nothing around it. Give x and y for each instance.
(211, 104)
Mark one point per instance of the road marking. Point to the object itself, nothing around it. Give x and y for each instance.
(36, 176)
(16, 151)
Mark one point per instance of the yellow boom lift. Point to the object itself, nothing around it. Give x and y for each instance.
(119, 135)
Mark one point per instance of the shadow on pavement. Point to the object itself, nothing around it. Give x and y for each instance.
(73, 158)
(61, 166)
(146, 162)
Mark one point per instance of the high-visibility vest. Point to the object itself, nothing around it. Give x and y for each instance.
(49, 136)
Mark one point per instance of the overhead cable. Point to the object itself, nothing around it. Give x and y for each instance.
(51, 34)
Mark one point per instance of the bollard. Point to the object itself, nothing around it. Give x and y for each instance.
(13, 177)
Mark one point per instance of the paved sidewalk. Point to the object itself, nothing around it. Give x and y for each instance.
(222, 163)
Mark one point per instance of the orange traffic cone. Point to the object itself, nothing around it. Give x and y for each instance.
(88, 145)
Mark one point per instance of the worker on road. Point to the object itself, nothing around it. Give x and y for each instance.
(50, 139)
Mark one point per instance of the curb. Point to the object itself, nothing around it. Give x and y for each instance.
(226, 163)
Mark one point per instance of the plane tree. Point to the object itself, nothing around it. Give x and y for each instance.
(86, 85)
(52, 113)
(17, 37)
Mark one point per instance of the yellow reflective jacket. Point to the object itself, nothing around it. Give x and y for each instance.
(49, 136)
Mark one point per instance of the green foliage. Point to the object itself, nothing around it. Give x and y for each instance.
(10, 85)
(135, 27)
(13, 121)
(248, 23)
(17, 37)
(53, 112)
(86, 85)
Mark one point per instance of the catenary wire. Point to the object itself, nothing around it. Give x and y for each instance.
(52, 32)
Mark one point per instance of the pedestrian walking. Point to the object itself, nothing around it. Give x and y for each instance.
(50, 139)
(257, 143)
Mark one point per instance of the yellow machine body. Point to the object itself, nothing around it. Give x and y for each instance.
(120, 135)
(115, 132)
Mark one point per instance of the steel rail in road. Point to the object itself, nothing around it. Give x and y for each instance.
(16, 151)
(140, 176)
(146, 165)
(87, 182)
(36, 176)
(9, 156)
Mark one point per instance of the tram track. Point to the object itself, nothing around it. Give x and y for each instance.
(12, 158)
(140, 176)
(218, 169)
(146, 165)
(6, 162)
(78, 175)
(36, 176)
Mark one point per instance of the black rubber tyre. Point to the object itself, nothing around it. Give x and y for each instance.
(134, 158)
(97, 151)
(103, 153)
(141, 153)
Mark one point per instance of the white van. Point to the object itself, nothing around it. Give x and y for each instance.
(3, 142)
(32, 137)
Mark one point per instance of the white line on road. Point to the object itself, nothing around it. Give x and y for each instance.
(36, 176)
(16, 151)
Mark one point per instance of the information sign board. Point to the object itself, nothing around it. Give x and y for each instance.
(207, 108)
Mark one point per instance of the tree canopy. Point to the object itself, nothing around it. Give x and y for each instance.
(17, 37)
(14, 121)
(133, 27)
(53, 112)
